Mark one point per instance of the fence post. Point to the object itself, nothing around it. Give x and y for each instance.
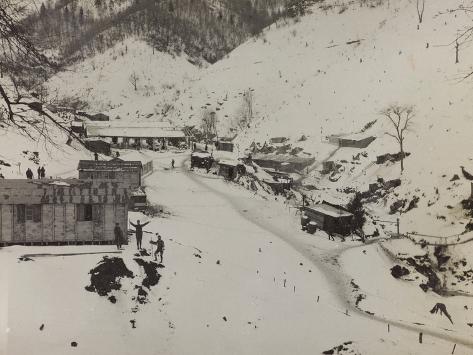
(420, 338)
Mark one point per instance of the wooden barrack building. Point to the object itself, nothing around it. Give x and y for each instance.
(61, 211)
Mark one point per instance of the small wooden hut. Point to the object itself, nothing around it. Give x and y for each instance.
(230, 169)
(328, 217)
(201, 160)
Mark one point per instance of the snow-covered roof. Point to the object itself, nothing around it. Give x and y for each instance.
(329, 210)
(26, 191)
(134, 132)
(136, 156)
(282, 158)
(138, 192)
(201, 154)
(353, 136)
(229, 162)
(131, 123)
(111, 165)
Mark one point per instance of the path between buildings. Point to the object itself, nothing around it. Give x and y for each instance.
(317, 164)
(337, 281)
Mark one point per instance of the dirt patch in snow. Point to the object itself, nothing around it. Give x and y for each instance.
(151, 279)
(106, 276)
(142, 252)
(345, 348)
(150, 268)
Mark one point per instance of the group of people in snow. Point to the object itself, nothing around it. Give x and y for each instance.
(119, 237)
(41, 173)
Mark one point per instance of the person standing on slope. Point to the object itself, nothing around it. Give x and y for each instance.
(138, 232)
(159, 248)
(118, 236)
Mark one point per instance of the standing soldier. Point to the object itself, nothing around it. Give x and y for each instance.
(29, 173)
(43, 172)
(138, 232)
(159, 249)
(172, 163)
(39, 172)
(118, 236)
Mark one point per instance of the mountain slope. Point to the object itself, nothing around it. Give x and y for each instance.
(308, 79)
(329, 72)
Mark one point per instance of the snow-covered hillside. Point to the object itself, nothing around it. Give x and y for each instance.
(309, 78)
(104, 81)
(18, 151)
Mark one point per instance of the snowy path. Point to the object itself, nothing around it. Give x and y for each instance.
(337, 281)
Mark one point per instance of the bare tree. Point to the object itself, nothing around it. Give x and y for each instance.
(133, 79)
(401, 120)
(209, 124)
(22, 63)
(420, 4)
(248, 102)
(246, 110)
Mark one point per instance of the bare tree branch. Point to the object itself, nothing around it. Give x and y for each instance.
(401, 118)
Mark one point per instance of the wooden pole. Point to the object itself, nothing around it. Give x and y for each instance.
(420, 338)
(454, 346)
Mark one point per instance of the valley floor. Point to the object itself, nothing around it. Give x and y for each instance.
(239, 278)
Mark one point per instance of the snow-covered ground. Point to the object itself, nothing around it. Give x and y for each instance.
(228, 254)
(309, 78)
(18, 152)
(240, 276)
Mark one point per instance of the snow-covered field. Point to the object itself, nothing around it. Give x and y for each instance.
(240, 277)
(228, 255)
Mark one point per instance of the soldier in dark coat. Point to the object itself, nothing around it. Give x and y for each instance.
(43, 172)
(29, 173)
(118, 236)
(159, 248)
